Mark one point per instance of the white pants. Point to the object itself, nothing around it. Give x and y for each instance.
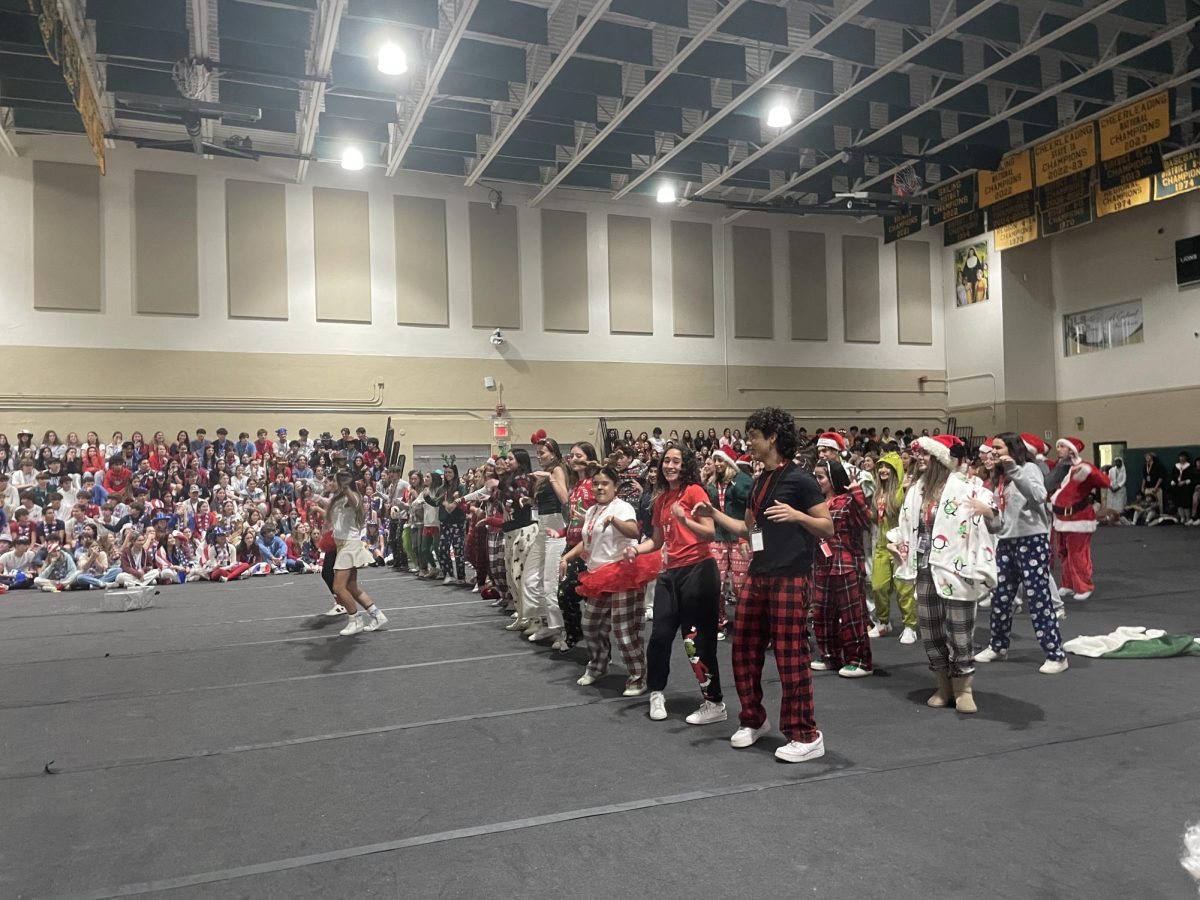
(516, 552)
(540, 578)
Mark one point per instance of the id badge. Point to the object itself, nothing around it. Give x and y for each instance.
(825, 551)
(756, 541)
(533, 514)
(923, 545)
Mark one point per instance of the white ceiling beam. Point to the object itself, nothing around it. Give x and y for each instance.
(1160, 38)
(326, 21)
(634, 102)
(932, 103)
(774, 72)
(455, 35)
(535, 94)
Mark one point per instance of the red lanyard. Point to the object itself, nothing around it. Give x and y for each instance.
(589, 528)
(764, 488)
(721, 497)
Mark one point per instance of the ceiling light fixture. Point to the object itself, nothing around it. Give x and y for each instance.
(779, 116)
(352, 159)
(392, 59)
(666, 194)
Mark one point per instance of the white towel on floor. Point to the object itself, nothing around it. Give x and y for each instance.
(1096, 645)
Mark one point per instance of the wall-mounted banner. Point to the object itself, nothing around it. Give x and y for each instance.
(956, 198)
(1066, 154)
(1015, 176)
(1014, 209)
(1102, 329)
(901, 226)
(1016, 234)
(1136, 125)
(1056, 219)
(1066, 191)
(1122, 198)
(1140, 163)
(1180, 174)
(963, 228)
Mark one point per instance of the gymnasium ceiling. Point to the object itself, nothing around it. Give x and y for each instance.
(620, 95)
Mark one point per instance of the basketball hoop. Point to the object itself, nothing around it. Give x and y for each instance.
(907, 182)
(192, 77)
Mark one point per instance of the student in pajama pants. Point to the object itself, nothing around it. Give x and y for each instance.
(889, 496)
(519, 528)
(583, 465)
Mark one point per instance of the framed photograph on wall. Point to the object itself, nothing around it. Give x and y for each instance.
(971, 274)
(1102, 329)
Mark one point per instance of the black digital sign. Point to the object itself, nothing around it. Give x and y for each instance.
(1187, 261)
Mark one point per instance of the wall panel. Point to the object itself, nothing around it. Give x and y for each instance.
(564, 271)
(256, 249)
(166, 242)
(809, 286)
(860, 287)
(495, 267)
(692, 279)
(66, 226)
(913, 293)
(342, 255)
(422, 286)
(753, 290)
(630, 269)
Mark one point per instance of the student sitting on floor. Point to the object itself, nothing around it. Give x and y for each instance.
(18, 565)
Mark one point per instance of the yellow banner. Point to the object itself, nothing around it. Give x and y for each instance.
(1020, 232)
(1015, 176)
(1180, 174)
(1135, 125)
(1121, 198)
(1066, 154)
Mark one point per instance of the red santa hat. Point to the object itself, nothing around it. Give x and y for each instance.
(833, 440)
(745, 462)
(986, 446)
(939, 448)
(1070, 446)
(1034, 444)
(725, 455)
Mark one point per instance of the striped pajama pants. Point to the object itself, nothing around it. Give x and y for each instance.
(621, 615)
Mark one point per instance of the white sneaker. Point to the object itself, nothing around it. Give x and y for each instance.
(819, 665)
(658, 706)
(854, 670)
(649, 613)
(708, 713)
(336, 610)
(748, 737)
(1083, 596)
(560, 645)
(475, 589)
(587, 678)
(987, 654)
(1065, 592)
(1061, 614)
(986, 603)
(447, 581)
(354, 626)
(544, 633)
(1054, 666)
(378, 620)
(908, 636)
(633, 690)
(532, 627)
(797, 751)
(517, 625)
(879, 629)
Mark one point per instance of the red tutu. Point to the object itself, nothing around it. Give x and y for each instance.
(621, 576)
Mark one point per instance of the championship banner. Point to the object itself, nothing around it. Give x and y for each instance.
(955, 198)
(1016, 234)
(1119, 199)
(1066, 191)
(963, 228)
(1015, 176)
(1066, 154)
(1141, 163)
(1180, 174)
(1010, 211)
(901, 226)
(1072, 214)
(1136, 125)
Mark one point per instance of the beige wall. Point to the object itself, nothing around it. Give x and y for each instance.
(1153, 418)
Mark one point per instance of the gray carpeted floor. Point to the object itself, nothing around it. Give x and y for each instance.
(227, 743)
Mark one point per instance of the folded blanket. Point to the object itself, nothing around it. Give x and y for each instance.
(1134, 642)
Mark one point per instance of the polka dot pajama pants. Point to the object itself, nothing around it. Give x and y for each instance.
(1024, 564)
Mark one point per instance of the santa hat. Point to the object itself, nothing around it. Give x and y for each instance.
(1034, 444)
(986, 446)
(745, 462)
(832, 440)
(1071, 446)
(725, 455)
(939, 448)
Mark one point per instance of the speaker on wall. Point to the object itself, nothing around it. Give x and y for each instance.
(1187, 261)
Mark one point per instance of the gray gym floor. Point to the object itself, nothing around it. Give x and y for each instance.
(227, 743)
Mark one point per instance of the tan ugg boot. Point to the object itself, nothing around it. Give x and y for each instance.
(964, 701)
(942, 696)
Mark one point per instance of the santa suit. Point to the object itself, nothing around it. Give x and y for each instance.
(1074, 524)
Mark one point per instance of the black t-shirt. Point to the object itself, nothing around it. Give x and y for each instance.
(787, 547)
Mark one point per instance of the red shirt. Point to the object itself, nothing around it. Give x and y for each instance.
(684, 548)
(116, 480)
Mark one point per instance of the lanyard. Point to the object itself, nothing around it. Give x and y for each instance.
(721, 497)
(589, 528)
(765, 487)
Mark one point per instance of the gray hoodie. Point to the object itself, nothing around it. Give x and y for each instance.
(1023, 506)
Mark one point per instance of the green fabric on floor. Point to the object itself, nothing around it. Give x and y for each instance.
(1156, 648)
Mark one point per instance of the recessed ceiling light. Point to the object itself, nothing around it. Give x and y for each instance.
(392, 59)
(779, 116)
(352, 159)
(666, 194)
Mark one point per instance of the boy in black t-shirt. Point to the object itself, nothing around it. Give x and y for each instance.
(786, 511)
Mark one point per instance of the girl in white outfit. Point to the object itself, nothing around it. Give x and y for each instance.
(347, 519)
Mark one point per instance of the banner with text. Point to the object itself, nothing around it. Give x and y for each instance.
(1119, 199)
(1134, 166)
(1015, 176)
(1066, 154)
(1180, 174)
(1136, 125)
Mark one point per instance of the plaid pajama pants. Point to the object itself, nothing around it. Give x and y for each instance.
(946, 627)
(840, 619)
(774, 609)
(496, 568)
(621, 614)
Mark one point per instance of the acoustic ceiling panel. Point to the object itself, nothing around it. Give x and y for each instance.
(627, 43)
(714, 59)
(507, 19)
(766, 22)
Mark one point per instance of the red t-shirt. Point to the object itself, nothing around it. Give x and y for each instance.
(684, 548)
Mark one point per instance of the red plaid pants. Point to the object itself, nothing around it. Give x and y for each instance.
(615, 618)
(840, 619)
(774, 608)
